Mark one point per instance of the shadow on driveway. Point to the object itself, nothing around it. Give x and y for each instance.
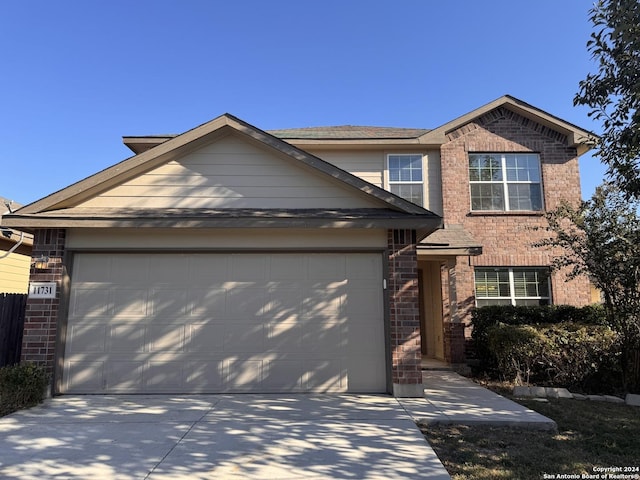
(216, 437)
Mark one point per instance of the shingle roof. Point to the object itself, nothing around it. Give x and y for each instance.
(348, 132)
(451, 236)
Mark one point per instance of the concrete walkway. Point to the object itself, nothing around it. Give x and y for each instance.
(454, 399)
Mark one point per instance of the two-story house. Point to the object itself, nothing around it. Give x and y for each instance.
(230, 259)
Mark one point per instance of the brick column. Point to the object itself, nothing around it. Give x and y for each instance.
(404, 314)
(41, 315)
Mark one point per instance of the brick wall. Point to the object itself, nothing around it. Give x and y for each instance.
(404, 307)
(507, 237)
(41, 315)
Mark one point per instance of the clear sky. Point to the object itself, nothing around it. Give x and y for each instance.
(77, 75)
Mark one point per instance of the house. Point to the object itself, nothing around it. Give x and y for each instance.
(15, 254)
(230, 259)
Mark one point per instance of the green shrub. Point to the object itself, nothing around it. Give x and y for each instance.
(21, 386)
(486, 317)
(567, 354)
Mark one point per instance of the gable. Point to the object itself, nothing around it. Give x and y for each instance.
(231, 173)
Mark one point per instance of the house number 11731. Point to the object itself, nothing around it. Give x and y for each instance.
(42, 290)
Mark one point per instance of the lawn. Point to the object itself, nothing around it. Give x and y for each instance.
(590, 435)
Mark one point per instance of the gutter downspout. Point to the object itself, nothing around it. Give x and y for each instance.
(13, 249)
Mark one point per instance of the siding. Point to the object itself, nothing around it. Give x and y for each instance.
(228, 238)
(371, 166)
(14, 273)
(231, 173)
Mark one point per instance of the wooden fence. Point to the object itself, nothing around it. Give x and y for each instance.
(12, 306)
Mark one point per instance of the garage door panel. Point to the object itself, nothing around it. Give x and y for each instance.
(85, 375)
(131, 269)
(165, 338)
(325, 374)
(369, 367)
(204, 375)
(324, 336)
(89, 302)
(360, 304)
(124, 376)
(129, 302)
(243, 374)
(283, 375)
(163, 374)
(248, 268)
(215, 269)
(243, 338)
(287, 267)
(210, 302)
(246, 302)
(284, 337)
(232, 323)
(326, 267)
(93, 268)
(173, 270)
(126, 338)
(205, 337)
(87, 338)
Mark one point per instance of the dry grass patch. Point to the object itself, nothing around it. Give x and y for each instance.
(590, 434)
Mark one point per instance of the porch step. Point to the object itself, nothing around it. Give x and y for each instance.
(431, 364)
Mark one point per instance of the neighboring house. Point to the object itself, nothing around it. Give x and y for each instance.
(15, 254)
(230, 259)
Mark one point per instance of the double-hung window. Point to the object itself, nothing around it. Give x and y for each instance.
(405, 177)
(505, 181)
(512, 286)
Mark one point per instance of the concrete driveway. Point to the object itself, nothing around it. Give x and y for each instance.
(216, 437)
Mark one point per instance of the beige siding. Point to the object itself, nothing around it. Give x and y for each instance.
(232, 173)
(372, 166)
(14, 273)
(433, 184)
(366, 165)
(227, 238)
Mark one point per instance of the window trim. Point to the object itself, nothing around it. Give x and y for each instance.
(411, 182)
(505, 182)
(512, 291)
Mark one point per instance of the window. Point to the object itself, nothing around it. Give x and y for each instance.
(505, 182)
(405, 177)
(512, 286)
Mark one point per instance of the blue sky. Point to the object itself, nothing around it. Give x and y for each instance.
(78, 75)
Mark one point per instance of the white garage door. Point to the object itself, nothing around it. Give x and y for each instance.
(209, 323)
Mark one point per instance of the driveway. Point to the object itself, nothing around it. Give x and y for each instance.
(216, 437)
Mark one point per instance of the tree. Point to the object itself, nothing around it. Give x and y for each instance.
(613, 93)
(601, 238)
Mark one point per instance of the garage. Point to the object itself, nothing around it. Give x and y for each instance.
(225, 322)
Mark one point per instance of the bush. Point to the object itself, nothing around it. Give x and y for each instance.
(21, 386)
(567, 354)
(486, 317)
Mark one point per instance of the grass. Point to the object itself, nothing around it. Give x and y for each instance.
(590, 434)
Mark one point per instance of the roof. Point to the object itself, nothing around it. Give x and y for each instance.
(350, 132)
(343, 135)
(63, 208)
(450, 240)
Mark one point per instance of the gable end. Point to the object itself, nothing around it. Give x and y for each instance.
(502, 113)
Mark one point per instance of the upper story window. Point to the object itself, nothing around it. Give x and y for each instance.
(405, 177)
(512, 286)
(505, 181)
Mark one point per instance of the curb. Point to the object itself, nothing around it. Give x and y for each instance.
(553, 392)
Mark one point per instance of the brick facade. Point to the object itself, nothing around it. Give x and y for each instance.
(507, 237)
(41, 315)
(404, 310)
